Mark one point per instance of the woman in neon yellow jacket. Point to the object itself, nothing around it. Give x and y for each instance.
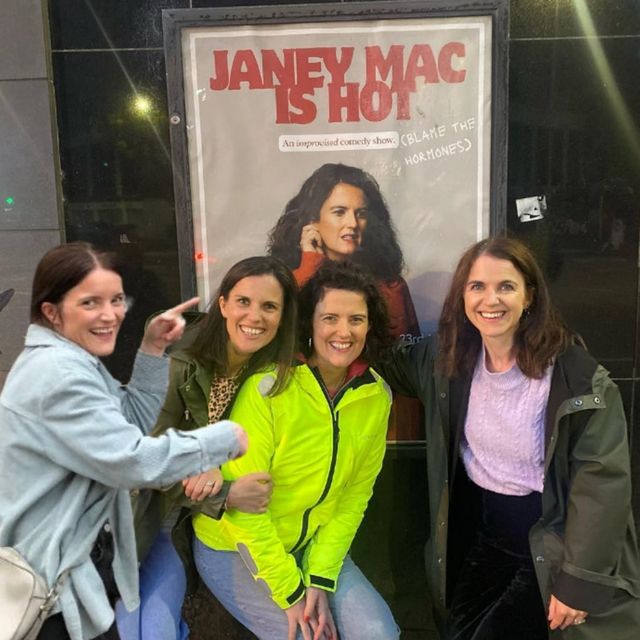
(322, 439)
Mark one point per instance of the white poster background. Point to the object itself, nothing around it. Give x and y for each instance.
(433, 168)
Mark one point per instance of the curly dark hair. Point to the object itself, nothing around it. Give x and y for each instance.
(348, 277)
(541, 334)
(379, 252)
(210, 343)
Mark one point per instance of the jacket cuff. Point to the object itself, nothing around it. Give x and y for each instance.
(327, 584)
(213, 506)
(296, 595)
(584, 595)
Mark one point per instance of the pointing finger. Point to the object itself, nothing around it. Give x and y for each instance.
(179, 308)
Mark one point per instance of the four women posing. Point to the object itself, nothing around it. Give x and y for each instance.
(531, 528)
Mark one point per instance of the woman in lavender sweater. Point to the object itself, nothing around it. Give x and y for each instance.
(532, 535)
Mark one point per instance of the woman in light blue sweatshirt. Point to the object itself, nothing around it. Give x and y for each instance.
(73, 441)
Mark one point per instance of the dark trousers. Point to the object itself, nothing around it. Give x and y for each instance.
(496, 596)
(102, 557)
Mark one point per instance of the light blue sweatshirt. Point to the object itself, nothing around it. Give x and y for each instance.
(72, 444)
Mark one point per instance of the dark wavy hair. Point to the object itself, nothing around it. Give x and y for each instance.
(210, 343)
(348, 277)
(541, 334)
(379, 251)
(61, 269)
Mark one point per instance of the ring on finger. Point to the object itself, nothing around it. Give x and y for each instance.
(579, 621)
(208, 484)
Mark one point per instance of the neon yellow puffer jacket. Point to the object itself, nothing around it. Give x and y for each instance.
(323, 457)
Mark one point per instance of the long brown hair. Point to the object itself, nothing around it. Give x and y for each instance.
(210, 343)
(541, 334)
(379, 252)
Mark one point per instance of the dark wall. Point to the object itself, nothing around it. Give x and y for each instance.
(573, 117)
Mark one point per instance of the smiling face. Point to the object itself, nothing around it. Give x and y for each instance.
(340, 326)
(252, 311)
(90, 314)
(342, 221)
(495, 297)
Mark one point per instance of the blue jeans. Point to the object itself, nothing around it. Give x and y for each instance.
(358, 610)
(162, 589)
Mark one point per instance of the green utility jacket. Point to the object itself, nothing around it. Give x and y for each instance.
(584, 546)
(323, 455)
(186, 408)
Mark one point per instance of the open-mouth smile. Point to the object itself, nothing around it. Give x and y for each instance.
(251, 331)
(341, 346)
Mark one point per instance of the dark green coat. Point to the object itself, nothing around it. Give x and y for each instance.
(186, 408)
(584, 545)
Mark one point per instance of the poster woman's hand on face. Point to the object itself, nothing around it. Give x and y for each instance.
(310, 239)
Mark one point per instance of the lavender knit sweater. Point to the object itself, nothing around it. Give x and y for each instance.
(503, 444)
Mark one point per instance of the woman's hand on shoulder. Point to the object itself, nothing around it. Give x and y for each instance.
(206, 484)
(310, 239)
(561, 616)
(165, 329)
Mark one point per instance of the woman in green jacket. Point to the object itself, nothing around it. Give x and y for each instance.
(249, 327)
(532, 534)
(322, 439)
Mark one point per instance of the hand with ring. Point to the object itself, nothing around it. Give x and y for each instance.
(562, 616)
(199, 487)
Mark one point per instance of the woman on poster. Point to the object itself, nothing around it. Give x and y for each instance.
(322, 439)
(532, 534)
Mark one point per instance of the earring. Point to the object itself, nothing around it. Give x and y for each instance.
(310, 343)
(526, 312)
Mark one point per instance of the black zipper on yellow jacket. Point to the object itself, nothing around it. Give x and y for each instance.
(334, 456)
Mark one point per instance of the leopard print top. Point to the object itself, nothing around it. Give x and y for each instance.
(222, 392)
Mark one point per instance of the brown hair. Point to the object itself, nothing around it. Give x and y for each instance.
(541, 335)
(210, 343)
(379, 252)
(61, 269)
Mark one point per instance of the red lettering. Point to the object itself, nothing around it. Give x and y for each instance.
(447, 72)
(221, 68)
(283, 71)
(378, 67)
(338, 67)
(421, 63)
(306, 67)
(245, 69)
(375, 92)
(338, 101)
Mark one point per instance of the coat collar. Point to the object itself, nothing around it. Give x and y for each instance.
(39, 336)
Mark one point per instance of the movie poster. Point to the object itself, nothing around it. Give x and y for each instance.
(403, 105)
